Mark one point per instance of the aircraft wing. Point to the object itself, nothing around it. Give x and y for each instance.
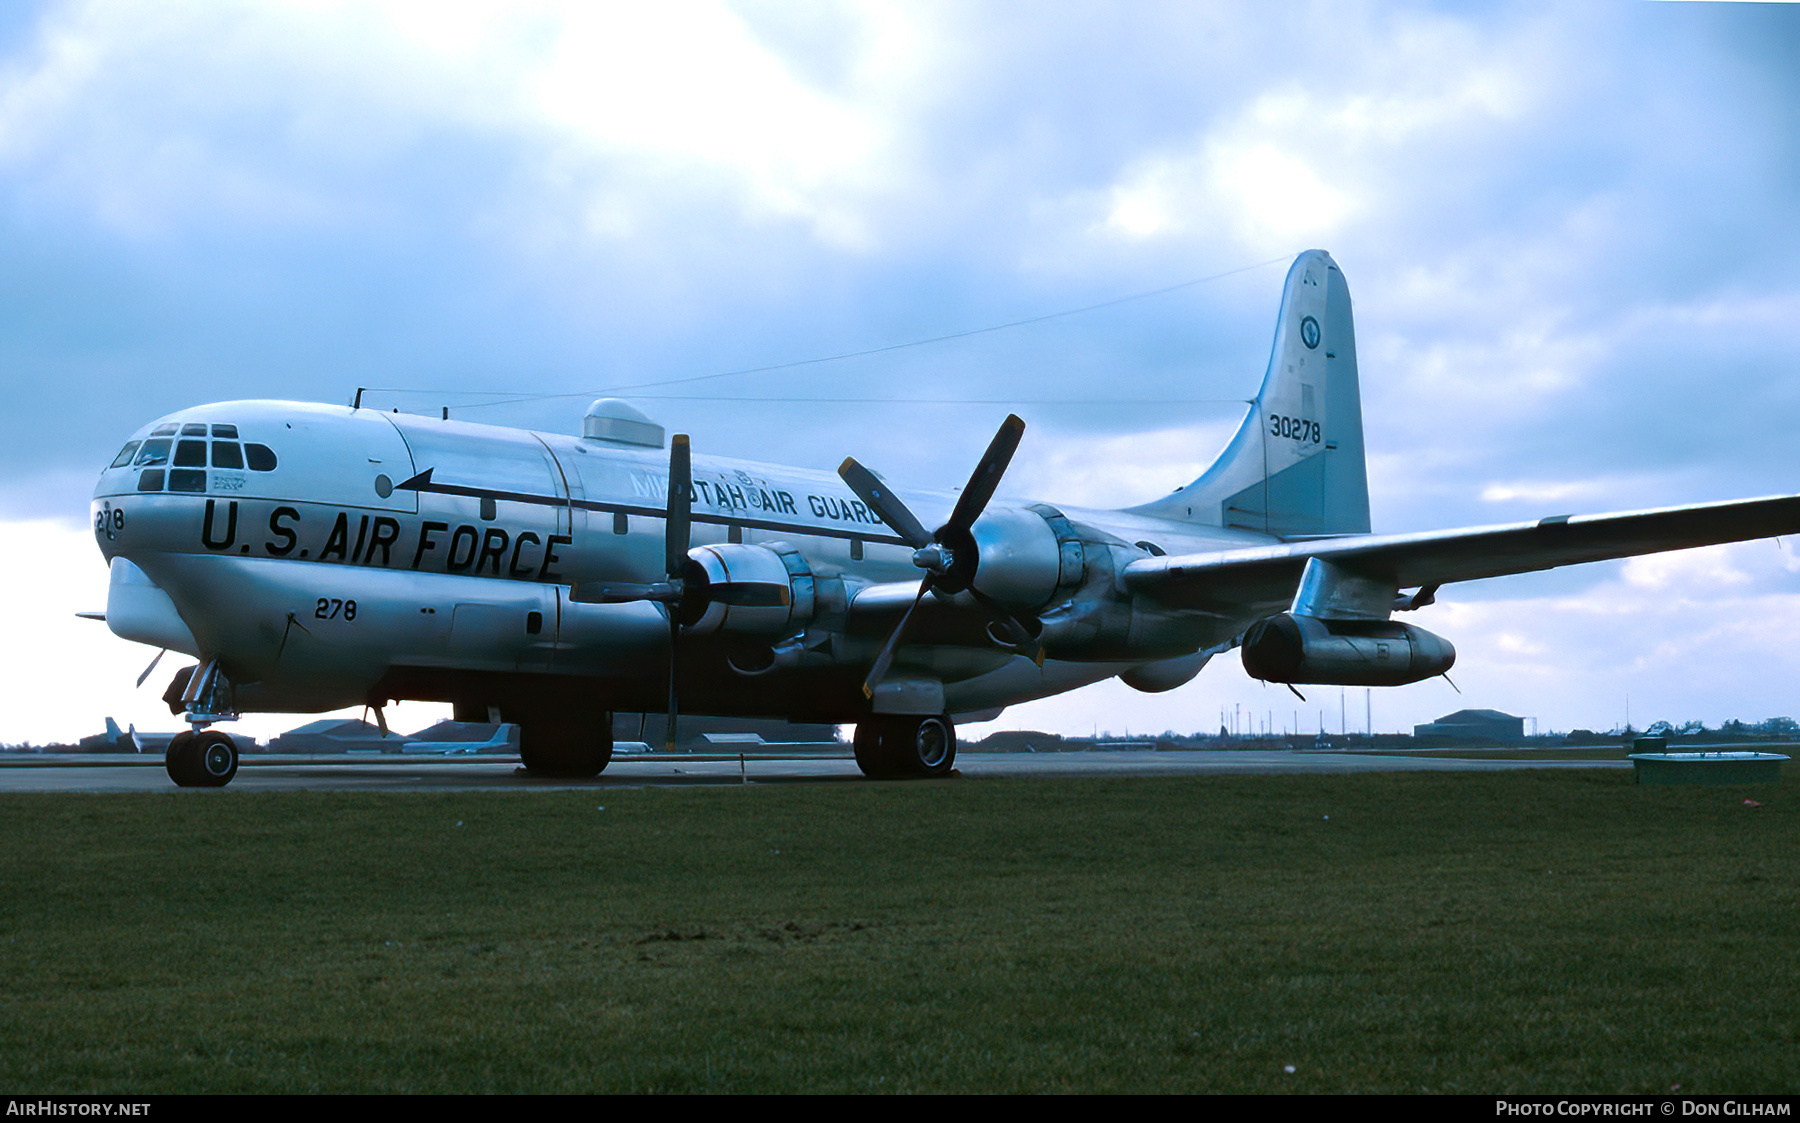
(1266, 576)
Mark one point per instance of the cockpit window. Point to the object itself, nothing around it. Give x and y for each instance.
(155, 451)
(227, 454)
(190, 454)
(150, 479)
(125, 454)
(227, 431)
(187, 479)
(193, 430)
(260, 457)
(164, 431)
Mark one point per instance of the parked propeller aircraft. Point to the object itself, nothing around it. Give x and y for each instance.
(312, 557)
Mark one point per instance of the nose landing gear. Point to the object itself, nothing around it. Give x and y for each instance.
(202, 759)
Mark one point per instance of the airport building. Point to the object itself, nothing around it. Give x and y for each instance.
(1465, 725)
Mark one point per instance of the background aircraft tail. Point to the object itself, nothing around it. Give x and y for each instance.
(1295, 466)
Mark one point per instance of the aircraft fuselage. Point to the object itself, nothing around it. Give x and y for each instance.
(332, 556)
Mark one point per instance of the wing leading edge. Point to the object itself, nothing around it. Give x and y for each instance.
(1266, 576)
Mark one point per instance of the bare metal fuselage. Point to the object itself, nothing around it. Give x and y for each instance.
(393, 556)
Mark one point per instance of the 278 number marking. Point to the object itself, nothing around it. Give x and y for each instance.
(1294, 428)
(330, 608)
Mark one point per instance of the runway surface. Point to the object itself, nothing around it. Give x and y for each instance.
(122, 773)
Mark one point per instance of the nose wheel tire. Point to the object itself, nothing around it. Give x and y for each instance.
(201, 760)
(891, 746)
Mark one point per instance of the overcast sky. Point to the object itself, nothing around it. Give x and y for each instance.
(1569, 232)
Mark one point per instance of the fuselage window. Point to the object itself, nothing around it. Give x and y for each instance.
(227, 454)
(125, 454)
(229, 432)
(260, 457)
(155, 451)
(150, 479)
(192, 430)
(190, 454)
(187, 479)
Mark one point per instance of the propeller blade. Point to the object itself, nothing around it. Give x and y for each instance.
(681, 506)
(987, 474)
(677, 536)
(883, 502)
(674, 704)
(886, 657)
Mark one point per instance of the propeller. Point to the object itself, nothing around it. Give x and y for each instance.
(677, 533)
(687, 590)
(950, 554)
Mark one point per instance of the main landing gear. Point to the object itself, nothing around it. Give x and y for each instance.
(566, 745)
(202, 759)
(893, 746)
(560, 736)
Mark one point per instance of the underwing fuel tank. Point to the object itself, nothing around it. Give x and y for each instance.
(1305, 649)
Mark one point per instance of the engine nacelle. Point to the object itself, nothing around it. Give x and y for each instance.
(722, 566)
(1025, 558)
(1305, 649)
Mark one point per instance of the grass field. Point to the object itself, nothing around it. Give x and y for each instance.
(1528, 931)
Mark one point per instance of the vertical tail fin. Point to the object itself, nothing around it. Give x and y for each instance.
(1295, 466)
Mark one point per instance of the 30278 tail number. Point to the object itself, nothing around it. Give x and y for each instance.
(1294, 428)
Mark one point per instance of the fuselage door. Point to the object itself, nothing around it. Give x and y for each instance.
(572, 524)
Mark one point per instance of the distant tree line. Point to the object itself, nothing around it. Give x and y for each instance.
(1768, 729)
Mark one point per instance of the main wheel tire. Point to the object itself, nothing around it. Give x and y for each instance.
(889, 746)
(215, 757)
(566, 748)
(871, 749)
(928, 748)
(179, 760)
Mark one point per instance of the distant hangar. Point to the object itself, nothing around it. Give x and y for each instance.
(1486, 725)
